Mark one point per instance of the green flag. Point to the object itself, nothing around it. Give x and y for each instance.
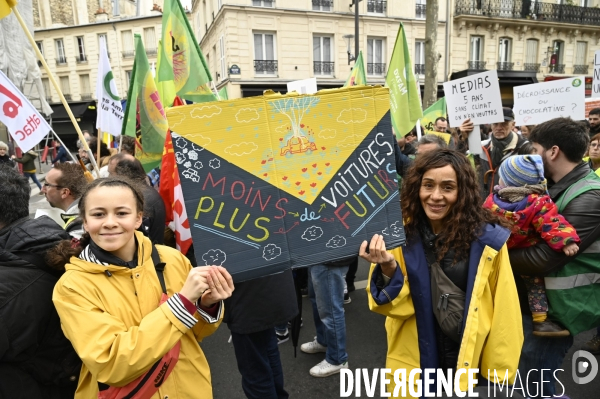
(166, 89)
(145, 117)
(357, 76)
(405, 102)
(436, 110)
(182, 60)
(223, 93)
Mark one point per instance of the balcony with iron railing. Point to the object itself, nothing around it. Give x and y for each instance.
(420, 69)
(505, 66)
(375, 69)
(580, 69)
(323, 67)
(151, 51)
(531, 67)
(81, 59)
(61, 61)
(48, 99)
(324, 5)
(267, 67)
(529, 9)
(86, 96)
(376, 6)
(420, 11)
(557, 68)
(477, 65)
(128, 53)
(67, 96)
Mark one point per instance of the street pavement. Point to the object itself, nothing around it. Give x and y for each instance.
(366, 346)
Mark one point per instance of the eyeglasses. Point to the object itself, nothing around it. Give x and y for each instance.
(52, 185)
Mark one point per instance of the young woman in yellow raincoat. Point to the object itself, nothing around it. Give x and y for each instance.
(129, 338)
(449, 238)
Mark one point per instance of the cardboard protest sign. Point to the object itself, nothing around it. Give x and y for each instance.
(596, 80)
(541, 102)
(275, 182)
(475, 97)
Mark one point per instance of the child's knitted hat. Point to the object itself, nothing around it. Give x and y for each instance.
(521, 170)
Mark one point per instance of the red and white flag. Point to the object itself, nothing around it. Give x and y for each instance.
(26, 126)
(172, 195)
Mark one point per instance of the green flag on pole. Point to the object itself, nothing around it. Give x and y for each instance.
(145, 117)
(182, 61)
(166, 89)
(405, 103)
(357, 76)
(436, 110)
(223, 93)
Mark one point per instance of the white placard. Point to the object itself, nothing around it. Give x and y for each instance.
(541, 102)
(305, 86)
(475, 97)
(596, 82)
(24, 123)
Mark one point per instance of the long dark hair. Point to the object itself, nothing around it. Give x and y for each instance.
(60, 255)
(466, 217)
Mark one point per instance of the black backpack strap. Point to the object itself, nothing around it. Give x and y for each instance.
(160, 268)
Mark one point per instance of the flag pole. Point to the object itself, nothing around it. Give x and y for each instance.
(215, 90)
(120, 143)
(98, 147)
(56, 86)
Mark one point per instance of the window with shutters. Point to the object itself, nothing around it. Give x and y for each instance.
(531, 56)
(65, 87)
(100, 36)
(581, 63)
(323, 55)
(223, 64)
(47, 92)
(61, 58)
(375, 56)
(150, 41)
(265, 55)
(81, 57)
(84, 87)
(419, 57)
(127, 42)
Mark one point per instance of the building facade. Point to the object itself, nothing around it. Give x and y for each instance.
(254, 45)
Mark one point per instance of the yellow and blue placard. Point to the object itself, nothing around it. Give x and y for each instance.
(276, 181)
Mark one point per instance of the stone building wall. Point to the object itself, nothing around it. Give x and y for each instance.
(62, 12)
(36, 14)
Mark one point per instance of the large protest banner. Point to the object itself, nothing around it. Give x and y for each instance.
(540, 102)
(275, 182)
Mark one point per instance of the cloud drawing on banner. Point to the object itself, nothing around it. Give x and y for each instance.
(200, 140)
(396, 229)
(214, 163)
(349, 141)
(188, 164)
(214, 257)
(198, 165)
(386, 231)
(246, 115)
(191, 175)
(336, 242)
(281, 129)
(175, 118)
(241, 149)
(193, 155)
(327, 134)
(208, 111)
(179, 158)
(180, 142)
(271, 251)
(352, 115)
(312, 233)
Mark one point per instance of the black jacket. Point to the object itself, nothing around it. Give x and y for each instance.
(260, 304)
(154, 210)
(36, 360)
(582, 212)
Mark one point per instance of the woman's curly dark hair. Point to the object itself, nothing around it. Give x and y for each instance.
(60, 255)
(466, 218)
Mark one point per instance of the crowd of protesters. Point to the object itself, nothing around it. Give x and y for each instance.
(111, 312)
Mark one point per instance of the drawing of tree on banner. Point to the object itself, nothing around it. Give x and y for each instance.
(296, 141)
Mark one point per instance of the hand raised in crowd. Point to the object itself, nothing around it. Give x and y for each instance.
(378, 254)
(220, 286)
(466, 127)
(571, 249)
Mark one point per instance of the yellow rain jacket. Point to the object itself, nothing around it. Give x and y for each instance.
(119, 332)
(492, 327)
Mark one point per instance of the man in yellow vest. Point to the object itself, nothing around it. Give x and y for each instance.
(572, 295)
(63, 187)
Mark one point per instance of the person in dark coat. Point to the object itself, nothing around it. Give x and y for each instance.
(36, 360)
(4, 157)
(29, 170)
(154, 207)
(62, 155)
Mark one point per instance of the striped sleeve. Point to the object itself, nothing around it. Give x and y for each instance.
(178, 308)
(206, 316)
